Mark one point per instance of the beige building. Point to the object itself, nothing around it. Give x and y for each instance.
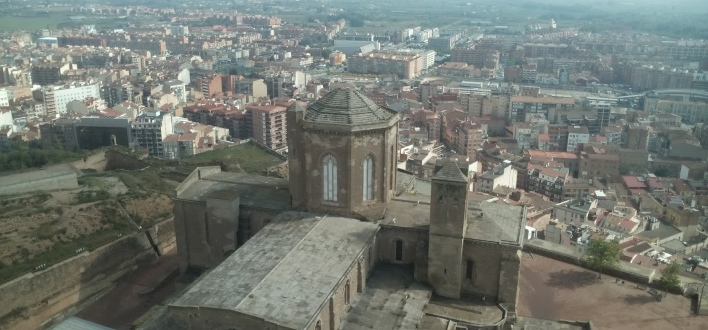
(320, 267)
(405, 66)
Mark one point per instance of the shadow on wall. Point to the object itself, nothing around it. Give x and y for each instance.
(42, 299)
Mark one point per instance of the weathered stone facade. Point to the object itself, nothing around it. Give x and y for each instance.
(349, 128)
(342, 162)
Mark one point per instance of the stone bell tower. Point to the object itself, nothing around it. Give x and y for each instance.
(448, 223)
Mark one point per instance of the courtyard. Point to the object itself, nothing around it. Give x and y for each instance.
(550, 289)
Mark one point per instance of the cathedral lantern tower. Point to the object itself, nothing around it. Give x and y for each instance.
(342, 155)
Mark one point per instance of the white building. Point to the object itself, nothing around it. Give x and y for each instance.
(57, 97)
(5, 97)
(177, 88)
(577, 135)
(150, 128)
(6, 119)
(501, 175)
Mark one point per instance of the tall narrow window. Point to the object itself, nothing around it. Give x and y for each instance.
(469, 270)
(347, 287)
(329, 171)
(368, 175)
(399, 250)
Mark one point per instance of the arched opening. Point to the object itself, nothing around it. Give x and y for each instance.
(359, 278)
(347, 293)
(318, 326)
(329, 177)
(331, 313)
(469, 270)
(399, 250)
(368, 178)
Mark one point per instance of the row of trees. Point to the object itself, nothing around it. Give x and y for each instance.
(605, 254)
(25, 155)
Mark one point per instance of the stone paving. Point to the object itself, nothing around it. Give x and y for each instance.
(391, 300)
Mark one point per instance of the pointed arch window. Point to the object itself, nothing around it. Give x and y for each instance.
(329, 171)
(368, 177)
(399, 250)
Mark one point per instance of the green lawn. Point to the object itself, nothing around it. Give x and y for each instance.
(248, 157)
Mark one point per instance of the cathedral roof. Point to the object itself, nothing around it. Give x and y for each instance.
(349, 110)
(450, 171)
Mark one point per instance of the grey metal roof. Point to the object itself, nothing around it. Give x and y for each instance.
(450, 171)
(347, 109)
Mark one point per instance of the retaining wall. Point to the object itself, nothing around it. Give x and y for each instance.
(65, 285)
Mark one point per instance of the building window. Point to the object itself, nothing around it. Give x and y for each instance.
(399, 250)
(469, 270)
(318, 326)
(329, 171)
(346, 293)
(368, 174)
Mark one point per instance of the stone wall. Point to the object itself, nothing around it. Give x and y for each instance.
(386, 246)
(66, 285)
(623, 270)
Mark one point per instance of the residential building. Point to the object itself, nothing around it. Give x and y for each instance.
(576, 210)
(546, 181)
(682, 216)
(177, 88)
(59, 133)
(269, 126)
(149, 129)
(577, 135)
(503, 175)
(55, 98)
(44, 74)
(209, 85)
(5, 97)
(638, 136)
(546, 105)
(691, 105)
(404, 66)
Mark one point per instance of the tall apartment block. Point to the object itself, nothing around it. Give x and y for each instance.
(269, 126)
(149, 129)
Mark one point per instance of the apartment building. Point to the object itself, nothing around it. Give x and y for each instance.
(577, 135)
(404, 66)
(44, 74)
(692, 106)
(269, 126)
(469, 137)
(5, 97)
(56, 98)
(149, 129)
(639, 136)
(577, 210)
(235, 120)
(546, 181)
(504, 175)
(117, 93)
(546, 105)
(209, 85)
(59, 133)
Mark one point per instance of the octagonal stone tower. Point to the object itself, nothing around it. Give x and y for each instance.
(342, 155)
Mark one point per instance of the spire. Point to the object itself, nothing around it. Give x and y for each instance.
(450, 171)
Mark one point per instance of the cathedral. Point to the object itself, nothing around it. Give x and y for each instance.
(349, 241)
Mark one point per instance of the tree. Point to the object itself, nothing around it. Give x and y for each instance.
(669, 277)
(603, 254)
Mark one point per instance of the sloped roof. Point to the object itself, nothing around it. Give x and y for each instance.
(450, 172)
(348, 110)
